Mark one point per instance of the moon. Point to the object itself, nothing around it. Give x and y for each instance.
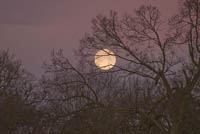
(105, 59)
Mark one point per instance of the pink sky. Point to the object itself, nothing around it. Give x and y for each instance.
(32, 28)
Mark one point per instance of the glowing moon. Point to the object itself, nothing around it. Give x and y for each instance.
(105, 59)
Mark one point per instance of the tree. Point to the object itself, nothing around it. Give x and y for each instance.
(18, 98)
(166, 62)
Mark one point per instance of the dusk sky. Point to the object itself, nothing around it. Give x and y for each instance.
(30, 29)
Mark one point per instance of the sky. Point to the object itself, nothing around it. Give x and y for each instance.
(30, 29)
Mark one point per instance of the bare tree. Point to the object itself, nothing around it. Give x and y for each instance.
(170, 59)
(19, 98)
(165, 59)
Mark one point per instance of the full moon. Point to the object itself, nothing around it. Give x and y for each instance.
(105, 59)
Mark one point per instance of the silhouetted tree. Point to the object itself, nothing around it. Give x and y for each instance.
(18, 98)
(154, 89)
